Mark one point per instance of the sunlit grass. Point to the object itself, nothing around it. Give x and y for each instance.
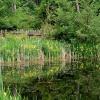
(11, 47)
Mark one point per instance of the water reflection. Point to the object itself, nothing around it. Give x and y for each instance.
(55, 81)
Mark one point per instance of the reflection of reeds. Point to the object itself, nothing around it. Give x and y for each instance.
(1, 81)
(41, 58)
(6, 95)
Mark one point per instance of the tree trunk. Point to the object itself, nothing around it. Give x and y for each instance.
(77, 6)
(14, 6)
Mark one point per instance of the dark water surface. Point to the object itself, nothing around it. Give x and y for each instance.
(55, 81)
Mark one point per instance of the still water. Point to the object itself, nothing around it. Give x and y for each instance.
(55, 81)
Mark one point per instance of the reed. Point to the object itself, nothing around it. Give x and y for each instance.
(7, 96)
(21, 49)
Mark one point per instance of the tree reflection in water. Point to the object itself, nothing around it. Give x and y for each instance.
(74, 81)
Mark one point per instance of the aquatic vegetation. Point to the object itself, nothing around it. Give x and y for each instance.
(61, 82)
(76, 73)
(22, 48)
(7, 96)
(13, 48)
(31, 73)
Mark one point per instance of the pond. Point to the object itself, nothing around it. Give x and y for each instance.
(45, 71)
(77, 80)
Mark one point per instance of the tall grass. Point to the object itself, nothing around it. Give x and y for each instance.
(7, 96)
(16, 48)
(21, 48)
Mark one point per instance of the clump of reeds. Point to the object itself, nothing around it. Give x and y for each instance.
(7, 96)
(22, 49)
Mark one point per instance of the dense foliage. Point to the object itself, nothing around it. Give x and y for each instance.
(76, 24)
(61, 19)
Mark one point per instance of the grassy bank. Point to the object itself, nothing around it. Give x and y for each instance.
(15, 48)
(21, 48)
